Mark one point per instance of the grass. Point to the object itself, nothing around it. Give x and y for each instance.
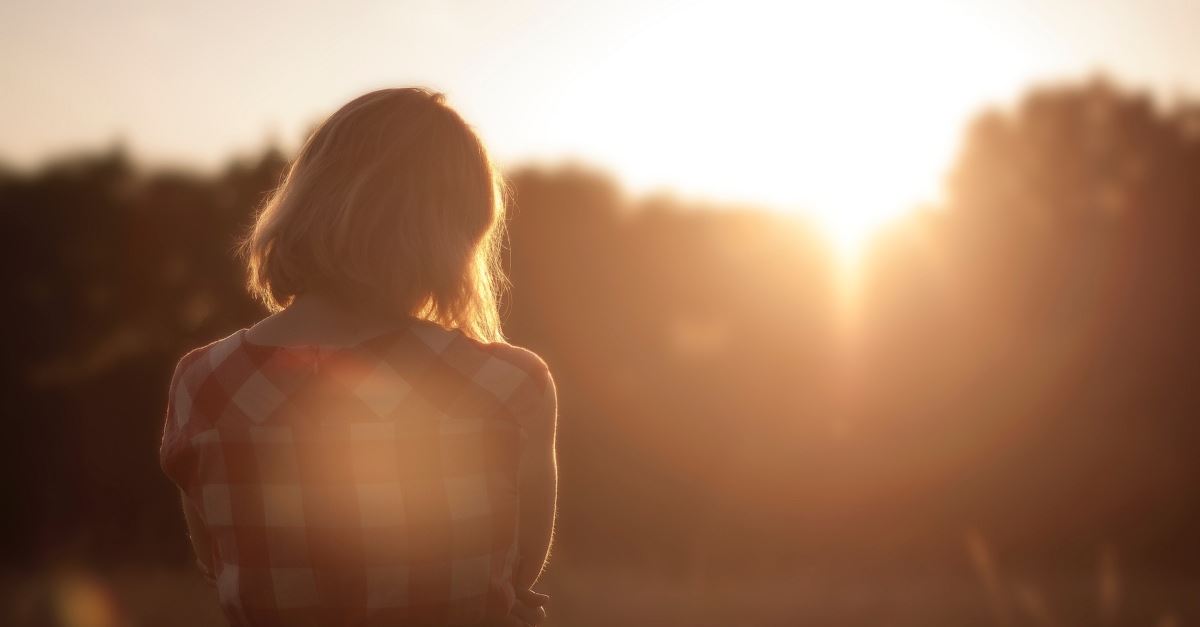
(150, 597)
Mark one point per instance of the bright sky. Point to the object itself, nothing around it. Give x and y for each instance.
(849, 111)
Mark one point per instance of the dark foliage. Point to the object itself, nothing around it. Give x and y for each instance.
(1022, 362)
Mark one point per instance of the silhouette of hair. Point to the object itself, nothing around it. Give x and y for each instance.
(393, 204)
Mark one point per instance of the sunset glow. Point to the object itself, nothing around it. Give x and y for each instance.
(846, 114)
(666, 313)
(781, 114)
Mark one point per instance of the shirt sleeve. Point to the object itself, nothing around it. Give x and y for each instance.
(174, 455)
(534, 402)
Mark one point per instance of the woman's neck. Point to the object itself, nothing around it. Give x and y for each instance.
(320, 318)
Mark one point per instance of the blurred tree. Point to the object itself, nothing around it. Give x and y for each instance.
(1023, 359)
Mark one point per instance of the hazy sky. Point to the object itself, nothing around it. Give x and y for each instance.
(835, 106)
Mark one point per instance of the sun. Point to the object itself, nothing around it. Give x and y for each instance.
(847, 234)
(813, 110)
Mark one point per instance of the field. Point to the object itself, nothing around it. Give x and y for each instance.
(154, 596)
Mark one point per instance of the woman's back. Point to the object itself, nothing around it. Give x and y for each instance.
(374, 483)
(361, 464)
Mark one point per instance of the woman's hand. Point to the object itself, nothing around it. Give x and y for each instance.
(529, 609)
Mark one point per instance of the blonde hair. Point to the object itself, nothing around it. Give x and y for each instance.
(394, 205)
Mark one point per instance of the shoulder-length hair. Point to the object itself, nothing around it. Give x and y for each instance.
(394, 205)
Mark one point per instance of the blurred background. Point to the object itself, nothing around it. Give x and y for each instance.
(861, 313)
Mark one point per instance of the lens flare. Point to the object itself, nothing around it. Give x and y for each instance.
(81, 600)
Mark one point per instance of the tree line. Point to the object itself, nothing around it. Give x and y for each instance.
(1020, 360)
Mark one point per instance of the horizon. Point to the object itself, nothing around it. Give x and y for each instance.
(624, 88)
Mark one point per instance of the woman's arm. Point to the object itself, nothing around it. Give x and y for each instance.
(201, 541)
(538, 492)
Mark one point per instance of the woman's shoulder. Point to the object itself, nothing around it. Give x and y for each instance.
(515, 375)
(202, 360)
(183, 420)
(456, 346)
(516, 361)
(521, 358)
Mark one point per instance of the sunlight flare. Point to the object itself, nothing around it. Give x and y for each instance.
(790, 113)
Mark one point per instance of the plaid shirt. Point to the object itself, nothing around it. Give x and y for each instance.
(366, 485)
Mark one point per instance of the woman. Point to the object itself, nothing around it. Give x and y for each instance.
(373, 452)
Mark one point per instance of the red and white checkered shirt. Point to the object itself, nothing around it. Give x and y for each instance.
(366, 485)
